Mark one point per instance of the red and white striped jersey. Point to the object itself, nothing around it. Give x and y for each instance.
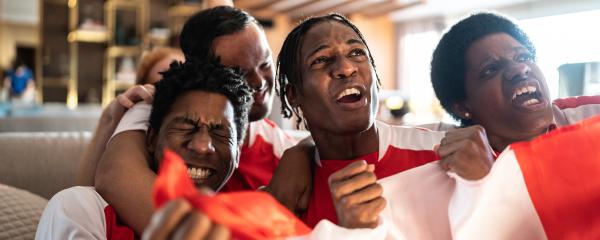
(547, 188)
(402, 152)
(81, 213)
(259, 157)
(574, 109)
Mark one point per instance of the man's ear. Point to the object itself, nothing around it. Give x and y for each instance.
(462, 110)
(290, 94)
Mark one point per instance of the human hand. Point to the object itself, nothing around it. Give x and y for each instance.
(178, 220)
(466, 152)
(126, 100)
(357, 196)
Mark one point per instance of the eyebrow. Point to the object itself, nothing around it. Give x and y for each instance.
(186, 119)
(324, 46)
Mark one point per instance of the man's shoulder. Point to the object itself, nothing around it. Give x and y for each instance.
(73, 213)
(574, 109)
(78, 193)
(270, 135)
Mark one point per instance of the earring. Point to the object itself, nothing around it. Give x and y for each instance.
(467, 115)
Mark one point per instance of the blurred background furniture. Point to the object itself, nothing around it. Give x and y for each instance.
(41, 162)
(20, 212)
(34, 166)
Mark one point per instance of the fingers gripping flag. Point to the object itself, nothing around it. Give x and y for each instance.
(248, 214)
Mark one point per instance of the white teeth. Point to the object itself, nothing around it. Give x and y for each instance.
(199, 173)
(522, 90)
(348, 91)
(530, 102)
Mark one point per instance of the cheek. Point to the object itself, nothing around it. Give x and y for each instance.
(485, 97)
(226, 154)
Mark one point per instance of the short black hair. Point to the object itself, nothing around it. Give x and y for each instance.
(448, 64)
(200, 31)
(208, 76)
(289, 63)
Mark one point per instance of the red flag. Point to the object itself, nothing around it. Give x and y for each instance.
(561, 173)
(248, 214)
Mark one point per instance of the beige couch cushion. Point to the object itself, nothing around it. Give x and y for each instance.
(20, 212)
(41, 162)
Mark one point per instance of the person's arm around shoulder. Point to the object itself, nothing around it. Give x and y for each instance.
(291, 183)
(123, 176)
(109, 120)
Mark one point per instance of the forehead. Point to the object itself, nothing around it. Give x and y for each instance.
(246, 47)
(493, 45)
(207, 106)
(327, 32)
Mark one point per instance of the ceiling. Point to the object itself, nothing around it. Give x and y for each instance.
(303, 8)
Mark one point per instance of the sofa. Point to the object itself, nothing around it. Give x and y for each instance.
(33, 167)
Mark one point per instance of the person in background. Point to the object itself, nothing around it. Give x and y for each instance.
(154, 62)
(20, 82)
(148, 73)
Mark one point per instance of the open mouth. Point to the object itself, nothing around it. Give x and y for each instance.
(350, 95)
(526, 96)
(199, 174)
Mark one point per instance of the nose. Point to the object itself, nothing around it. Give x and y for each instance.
(517, 72)
(344, 69)
(201, 143)
(255, 80)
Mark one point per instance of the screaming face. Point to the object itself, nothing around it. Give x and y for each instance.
(338, 92)
(200, 128)
(505, 90)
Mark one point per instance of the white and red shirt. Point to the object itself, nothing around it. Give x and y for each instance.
(571, 110)
(416, 188)
(81, 213)
(258, 159)
(566, 111)
(547, 188)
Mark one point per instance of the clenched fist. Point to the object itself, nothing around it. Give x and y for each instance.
(466, 152)
(357, 196)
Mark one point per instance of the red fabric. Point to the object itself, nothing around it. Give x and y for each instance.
(561, 172)
(114, 229)
(249, 215)
(573, 102)
(395, 160)
(257, 165)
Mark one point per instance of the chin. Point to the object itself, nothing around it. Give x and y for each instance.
(258, 112)
(354, 125)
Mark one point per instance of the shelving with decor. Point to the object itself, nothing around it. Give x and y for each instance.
(90, 56)
(127, 21)
(87, 40)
